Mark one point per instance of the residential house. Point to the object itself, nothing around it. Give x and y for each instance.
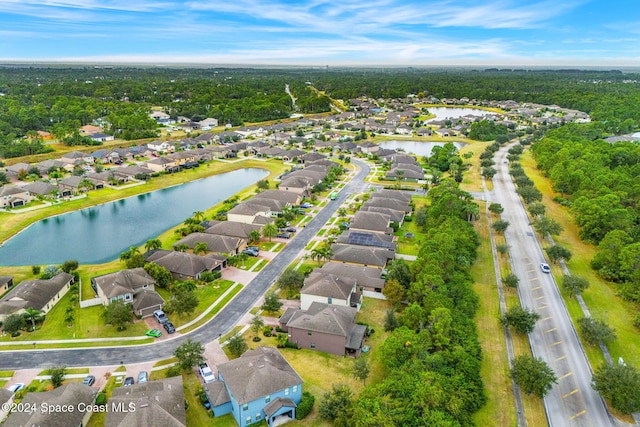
(41, 188)
(38, 294)
(71, 395)
(371, 221)
(297, 184)
(78, 184)
(161, 117)
(134, 286)
(364, 255)
(182, 157)
(405, 172)
(287, 197)
(12, 196)
(259, 385)
(329, 289)
(89, 130)
(6, 399)
(368, 279)
(404, 196)
(232, 228)
(222, 245)
(45, 166)
(311, 157)
(248, 212)
(159, 403)
(101, 137)
(367, 238)
(161, 146)
(394, 215)
(77, 157)
(383, 202)
(162, 164)
(208, 123)
(185, 266)
(323, 327)
(6, 282)
(14, 170)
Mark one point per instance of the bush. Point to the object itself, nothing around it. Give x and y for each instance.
(290, 344)
(174, 371)
(305, 406)
(267, 331)
(279, 329)
(636, 321)
(101, 398)
(256, 339)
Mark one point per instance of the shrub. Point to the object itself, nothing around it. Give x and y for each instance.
(290, 344)
(101, 398)
(267, 331)
(305, 406)
(256, 339)
(174, 371)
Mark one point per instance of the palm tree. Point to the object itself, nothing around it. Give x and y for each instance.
(152, 244)
(182, 247)
(133, 250)
(200, 248)
(269, 230)
(33, 315)
(316, 254)
(254, 236)
(198, 216)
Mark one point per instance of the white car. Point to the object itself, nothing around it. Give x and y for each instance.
(16, 387)
(545, 267)
(207, 373)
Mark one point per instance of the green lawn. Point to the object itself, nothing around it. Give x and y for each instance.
(207, 295)
(267, 246)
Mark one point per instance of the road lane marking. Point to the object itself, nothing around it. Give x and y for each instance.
(547, 318)
(543, 306)
(584, 411)
(555, 343)
(570, 393)
(560, 358)
(565, 376)
(536, 288)
(539, 298)
(550, 330)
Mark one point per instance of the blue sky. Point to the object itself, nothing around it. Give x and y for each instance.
(319, 32)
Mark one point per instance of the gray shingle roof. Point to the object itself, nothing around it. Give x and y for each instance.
(33, 293)
(217, 393)
(325, 318)
(257, 373)
(365, 255)
(215, 242)
(232, 228)
(374, 221)
(183, 263)
(123, 281)
(277, 403)
(328, 285)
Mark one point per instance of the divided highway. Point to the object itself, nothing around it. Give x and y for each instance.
(571, 402)
(224, 321)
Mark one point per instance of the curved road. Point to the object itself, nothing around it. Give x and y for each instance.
(219, 325)
(572, 401)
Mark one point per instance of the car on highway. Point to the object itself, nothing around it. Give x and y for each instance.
(169, 327)
(128, 381)
(545, 267)
(89, 380)
(153, 333)
(207, 373)
(160, 316)
(143, 377)
(16, 387)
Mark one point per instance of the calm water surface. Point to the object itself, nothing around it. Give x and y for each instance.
(100, 233)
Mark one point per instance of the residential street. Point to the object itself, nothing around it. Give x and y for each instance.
(571, 402)
(224, 321)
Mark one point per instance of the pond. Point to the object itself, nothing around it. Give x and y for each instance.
(100, 233)
(443, 113)
(419, 148)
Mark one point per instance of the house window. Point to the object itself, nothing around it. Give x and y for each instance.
(258, 416)
(295, 388)
(248, 420)
(127, 297)
(329, 300)
(245, 407)
(286, 391)
(313, 345)
(308, 332)
(145, 286)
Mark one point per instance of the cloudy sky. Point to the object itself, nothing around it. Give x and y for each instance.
(323, 32)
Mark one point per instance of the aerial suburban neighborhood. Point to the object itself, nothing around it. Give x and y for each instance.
(210, 272)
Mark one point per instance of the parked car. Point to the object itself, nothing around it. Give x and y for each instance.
(207, 373)
(143, 377)
(160, 316)
(545, 267)
(153, 333)
(251, 252)
(128, 381)
(306, 205)
(89, 380)
(13, 388)
(283, 235)
(291, 229)
(169, 327)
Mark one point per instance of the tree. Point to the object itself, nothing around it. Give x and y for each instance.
(152, 244)
(262, 185)
(34, 316)
(500, 226)
(160, 274)
(489, 172)
(69, 266)
(596, 331)
(118, 314)
(536, 209)
(399, 269)
(269, 230)
(510, 280)
(390, 321)
(189, 354)
(254, 236)
(502, 248)
(236, 345)
(200, 248)
(558, 253)
(291, 281)
(182, 247)
(183, 301)
(271, 302)
(394, 292)
(521, 319)
(12, 324)
(361, 369)
(533, 375)
(320, 253)
(573, 284)
(135, 261)
(198, 216)
(257, 324)
(619, 384)
(496, 208)
(57, 374)
(545, 225)
(338, 401)
(529, 194)
(69, 315)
